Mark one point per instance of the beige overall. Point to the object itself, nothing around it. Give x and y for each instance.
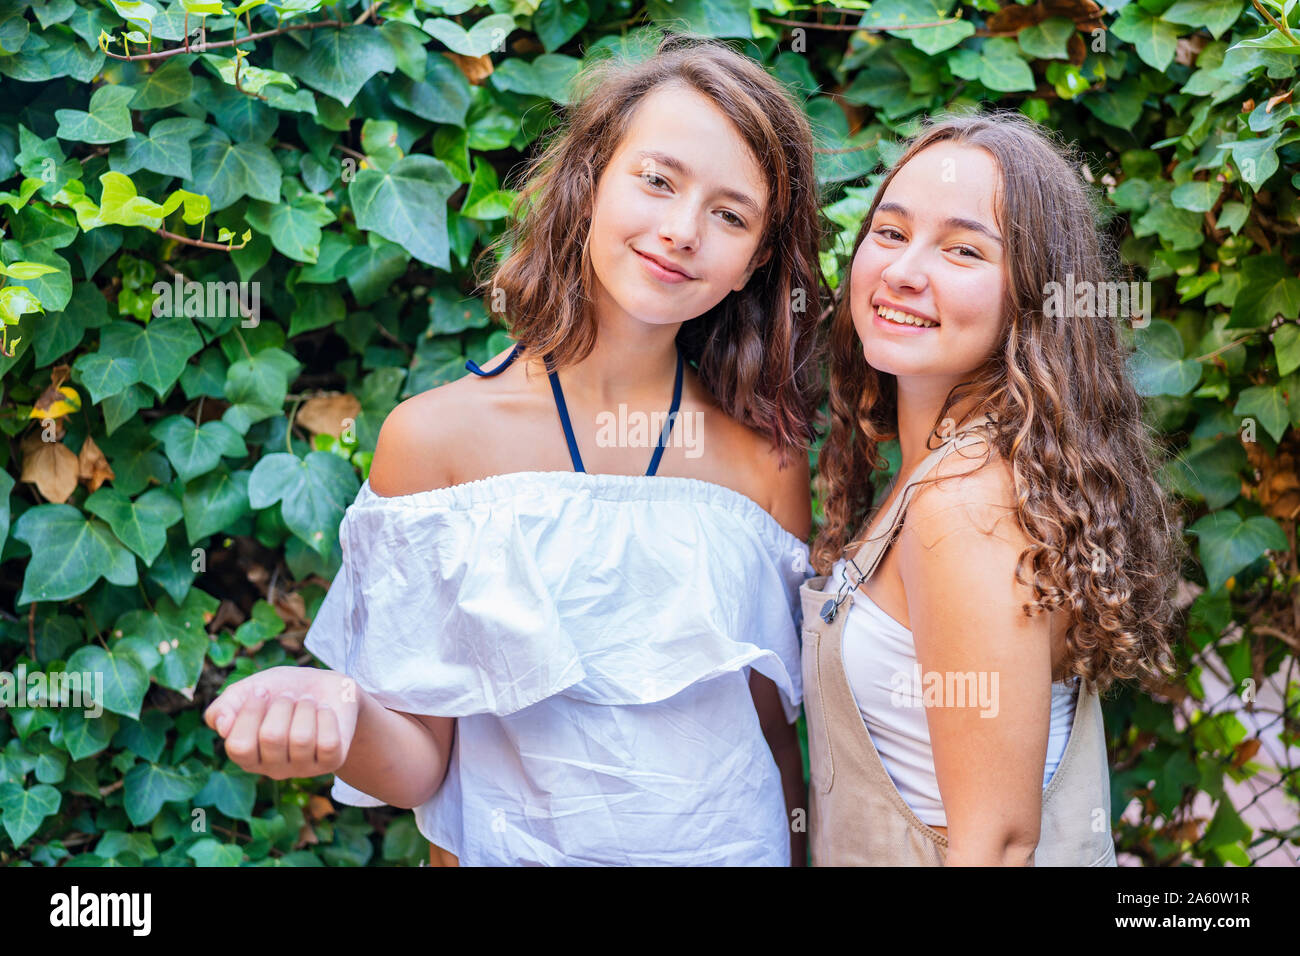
(857, 816)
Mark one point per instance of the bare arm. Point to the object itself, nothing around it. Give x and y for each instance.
(396, 757)
(791, 505)
(784, 743)
(970, 632)
(396, 754)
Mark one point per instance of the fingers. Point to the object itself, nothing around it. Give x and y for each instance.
(277, 729)
(302, 734)
(273, 735)
(220, 714)
(242, 742)
(329, 740)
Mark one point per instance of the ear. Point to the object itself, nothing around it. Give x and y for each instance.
(755, 263)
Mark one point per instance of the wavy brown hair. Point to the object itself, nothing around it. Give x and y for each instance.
(1066, 416)
(755, 351)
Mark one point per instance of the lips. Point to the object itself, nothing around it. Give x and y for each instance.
(665, 264)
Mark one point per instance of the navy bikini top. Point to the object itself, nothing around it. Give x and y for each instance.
(563, 410)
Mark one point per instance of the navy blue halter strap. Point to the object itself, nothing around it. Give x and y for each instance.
(474, 367)
(563, 409)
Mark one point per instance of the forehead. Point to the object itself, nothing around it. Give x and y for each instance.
(945, 180)
(687, 125)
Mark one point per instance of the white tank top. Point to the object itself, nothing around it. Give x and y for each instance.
(880, 663)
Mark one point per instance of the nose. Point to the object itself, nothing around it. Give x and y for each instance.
(906, 271)
(679, 227)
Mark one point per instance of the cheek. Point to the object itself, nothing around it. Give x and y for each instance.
(864, 276)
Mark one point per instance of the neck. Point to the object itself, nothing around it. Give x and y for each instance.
(919, 402)
(631, 361)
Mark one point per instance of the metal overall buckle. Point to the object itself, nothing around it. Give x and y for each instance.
(832, 605)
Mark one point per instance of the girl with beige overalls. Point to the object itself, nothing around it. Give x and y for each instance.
(954, 653)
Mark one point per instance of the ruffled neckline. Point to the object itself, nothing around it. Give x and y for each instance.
(641, 488)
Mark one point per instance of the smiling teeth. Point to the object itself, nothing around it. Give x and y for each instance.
(904, 318)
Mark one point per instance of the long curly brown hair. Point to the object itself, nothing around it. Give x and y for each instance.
(1067, 417)
(756, 350)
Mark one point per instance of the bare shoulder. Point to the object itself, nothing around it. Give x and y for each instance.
(415, 444)
(783, 489)
(789, 488)
(964, 495)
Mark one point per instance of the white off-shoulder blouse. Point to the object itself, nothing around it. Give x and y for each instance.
(592, 635)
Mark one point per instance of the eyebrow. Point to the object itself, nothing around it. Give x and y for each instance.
(676, 165)
(952, 222)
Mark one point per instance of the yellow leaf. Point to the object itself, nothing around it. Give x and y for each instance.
(56, 402)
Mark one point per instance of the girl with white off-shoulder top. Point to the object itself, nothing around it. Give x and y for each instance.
(564, 667)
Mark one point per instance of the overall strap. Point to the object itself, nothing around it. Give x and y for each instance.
(474, 367)
(572, 442)
(862, 565)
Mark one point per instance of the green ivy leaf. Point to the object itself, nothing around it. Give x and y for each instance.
(313, 493)
(196, 449)
(1286, 348)
(25, 810)
(210, 852)
(1228, 544)
(709, 18)
(214, 502)
(443, 96)
(1196, 196)
(125, 679)
(1047, 40)
(1156, 40)
(256, 387)
(372, 268)
(905, 13)
(407, 204)
(168, 85)
(107, 121)
(141, 524)
(1158, 365)
(226, 171)
(85, 736)
(485, 36)
(1268, 289)
(147, 786)
(159, 349)
(337, 62)
(69, 554)
(1215, 15)
(165, 150)
(1268, 405)
(557, 21)
(294, 227)
(231, 791)
(105, 374)
(548, 76)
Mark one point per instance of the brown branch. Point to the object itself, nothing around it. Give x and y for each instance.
(201, 243)
(1282, 636)
(1287, 229)
(205, 46)
(854, 28)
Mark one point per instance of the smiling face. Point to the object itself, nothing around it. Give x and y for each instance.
(933, 255)
(678, 212)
